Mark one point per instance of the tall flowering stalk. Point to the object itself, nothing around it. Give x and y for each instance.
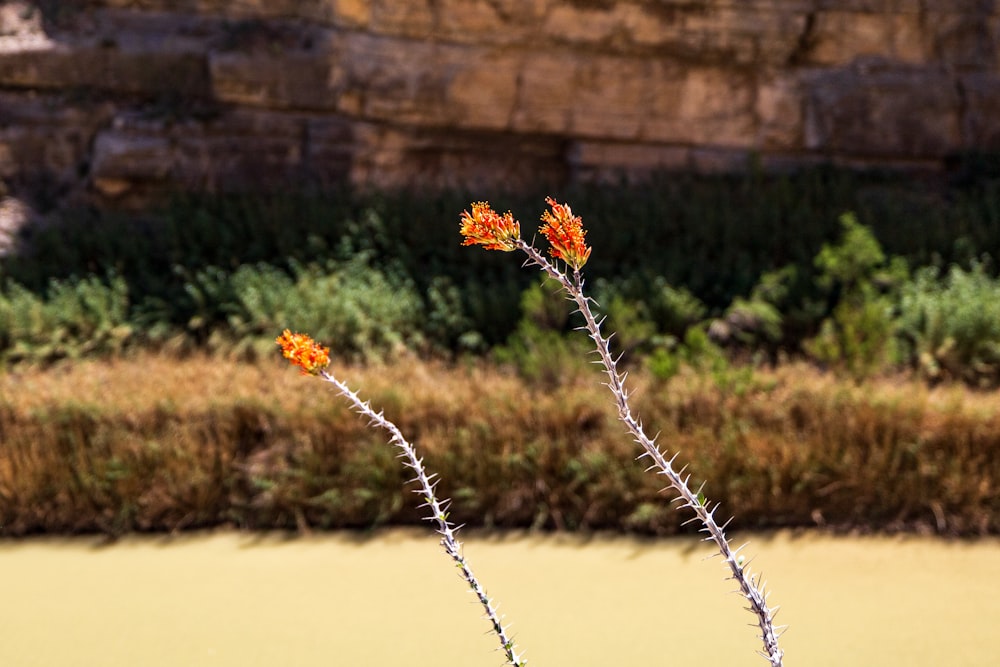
(313, 359)
(566, 237)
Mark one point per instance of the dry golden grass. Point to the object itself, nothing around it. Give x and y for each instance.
(159, 443)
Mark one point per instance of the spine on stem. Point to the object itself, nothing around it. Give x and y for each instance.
(438, 513)
(751, 588)
(566, 236)
(313, 359)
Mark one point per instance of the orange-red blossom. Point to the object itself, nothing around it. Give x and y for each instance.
(565, 234)
(303, 352)
(487, 228)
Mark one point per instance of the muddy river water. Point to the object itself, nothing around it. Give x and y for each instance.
(392, 599)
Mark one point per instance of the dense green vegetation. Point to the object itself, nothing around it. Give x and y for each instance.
(862, 273)
(712, 285)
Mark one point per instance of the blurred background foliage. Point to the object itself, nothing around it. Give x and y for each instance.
(861, 273)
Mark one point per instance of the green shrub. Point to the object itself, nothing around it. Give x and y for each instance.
(676, 249)
(857, 336)
(446, 323)
(541, 348)
(634, 331)
(72, 318)
(758, 321)
(359, 311)
(663, 363)
(209, 297)
(645, 312)
(695, 350)
(749, 322)
(853, 260)
(951, 324)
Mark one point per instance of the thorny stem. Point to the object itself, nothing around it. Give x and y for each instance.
(751, 587)
(438, 513)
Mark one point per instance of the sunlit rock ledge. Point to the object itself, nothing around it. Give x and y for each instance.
(118, 99)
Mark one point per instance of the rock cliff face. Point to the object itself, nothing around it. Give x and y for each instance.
(124, 97)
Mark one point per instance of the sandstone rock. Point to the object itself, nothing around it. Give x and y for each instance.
(240, 151)
(875, 109)
(396, 81)
(554, 93)
(964, 40)
(981, 94)
(63, 67)
(9, 164)
(605, 24)
(352, 13)
(711, 160)
(413, 158)
(839, 37)
(122, 156)
(724, 33)
(48, 134)
(604, 161)
(491, 22)
(281, 80)
(221, 94)
(413, 19)
(233, 9)
(328, 151)
(545, 96)
(15, 215)
(612, 98)
(484, 94)
(883, 6)
(20, 20)
(700, 105)
(778, 111)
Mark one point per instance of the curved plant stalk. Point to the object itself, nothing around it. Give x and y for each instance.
(751, 587)
(302, 351)
(567, 241)
(438, 513)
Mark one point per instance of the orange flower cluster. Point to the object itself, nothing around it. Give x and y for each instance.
(565, 234)
(487, 228)
(303, 352)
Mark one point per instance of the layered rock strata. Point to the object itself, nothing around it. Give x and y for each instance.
(121, 98)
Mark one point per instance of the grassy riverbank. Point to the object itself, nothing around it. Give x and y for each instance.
(155, 443)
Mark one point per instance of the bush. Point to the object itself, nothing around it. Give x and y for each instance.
(646, 312)
(757, 322)
(674, 251)
(541, 348)
(857, 336)
(951, 324)
(73, 318)
(362, 312)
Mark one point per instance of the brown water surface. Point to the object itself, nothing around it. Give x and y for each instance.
(393, 599)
